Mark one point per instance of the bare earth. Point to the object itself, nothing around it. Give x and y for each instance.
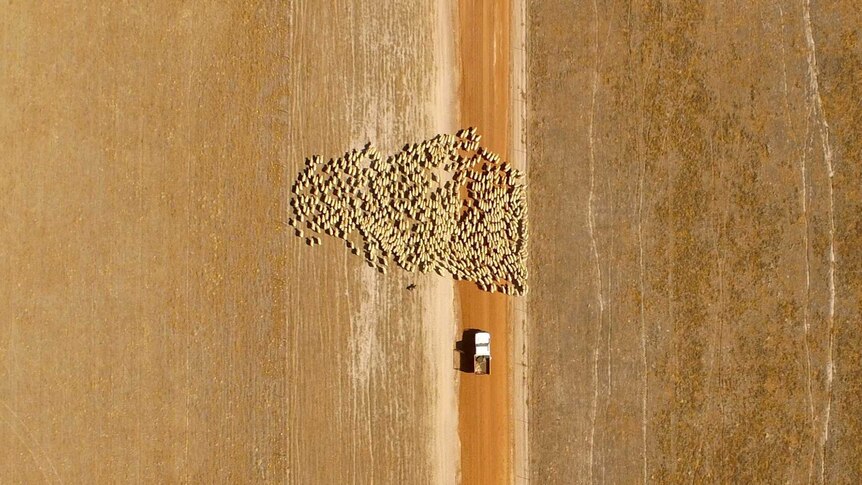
(484, 413)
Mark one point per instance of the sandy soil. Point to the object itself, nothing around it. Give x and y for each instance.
(484, 405)
(695, 281)
(440, 293)
(519, 316)
(157, 321)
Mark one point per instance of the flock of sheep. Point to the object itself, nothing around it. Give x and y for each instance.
(446, 205)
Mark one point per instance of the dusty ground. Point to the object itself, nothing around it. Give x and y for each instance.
(688, 320)
(157, 321)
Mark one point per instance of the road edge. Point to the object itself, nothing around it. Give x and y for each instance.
(518, 309)
(440, 304)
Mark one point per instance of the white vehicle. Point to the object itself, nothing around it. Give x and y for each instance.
(482, 356)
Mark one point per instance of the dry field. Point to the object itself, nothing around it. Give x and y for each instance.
(695, 271)
(158, 322)
(694, 298)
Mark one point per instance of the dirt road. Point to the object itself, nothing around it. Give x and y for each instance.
(484, 405)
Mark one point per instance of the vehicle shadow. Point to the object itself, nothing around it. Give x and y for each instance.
(466, 349)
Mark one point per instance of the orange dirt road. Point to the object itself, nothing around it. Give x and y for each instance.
(484, 427)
